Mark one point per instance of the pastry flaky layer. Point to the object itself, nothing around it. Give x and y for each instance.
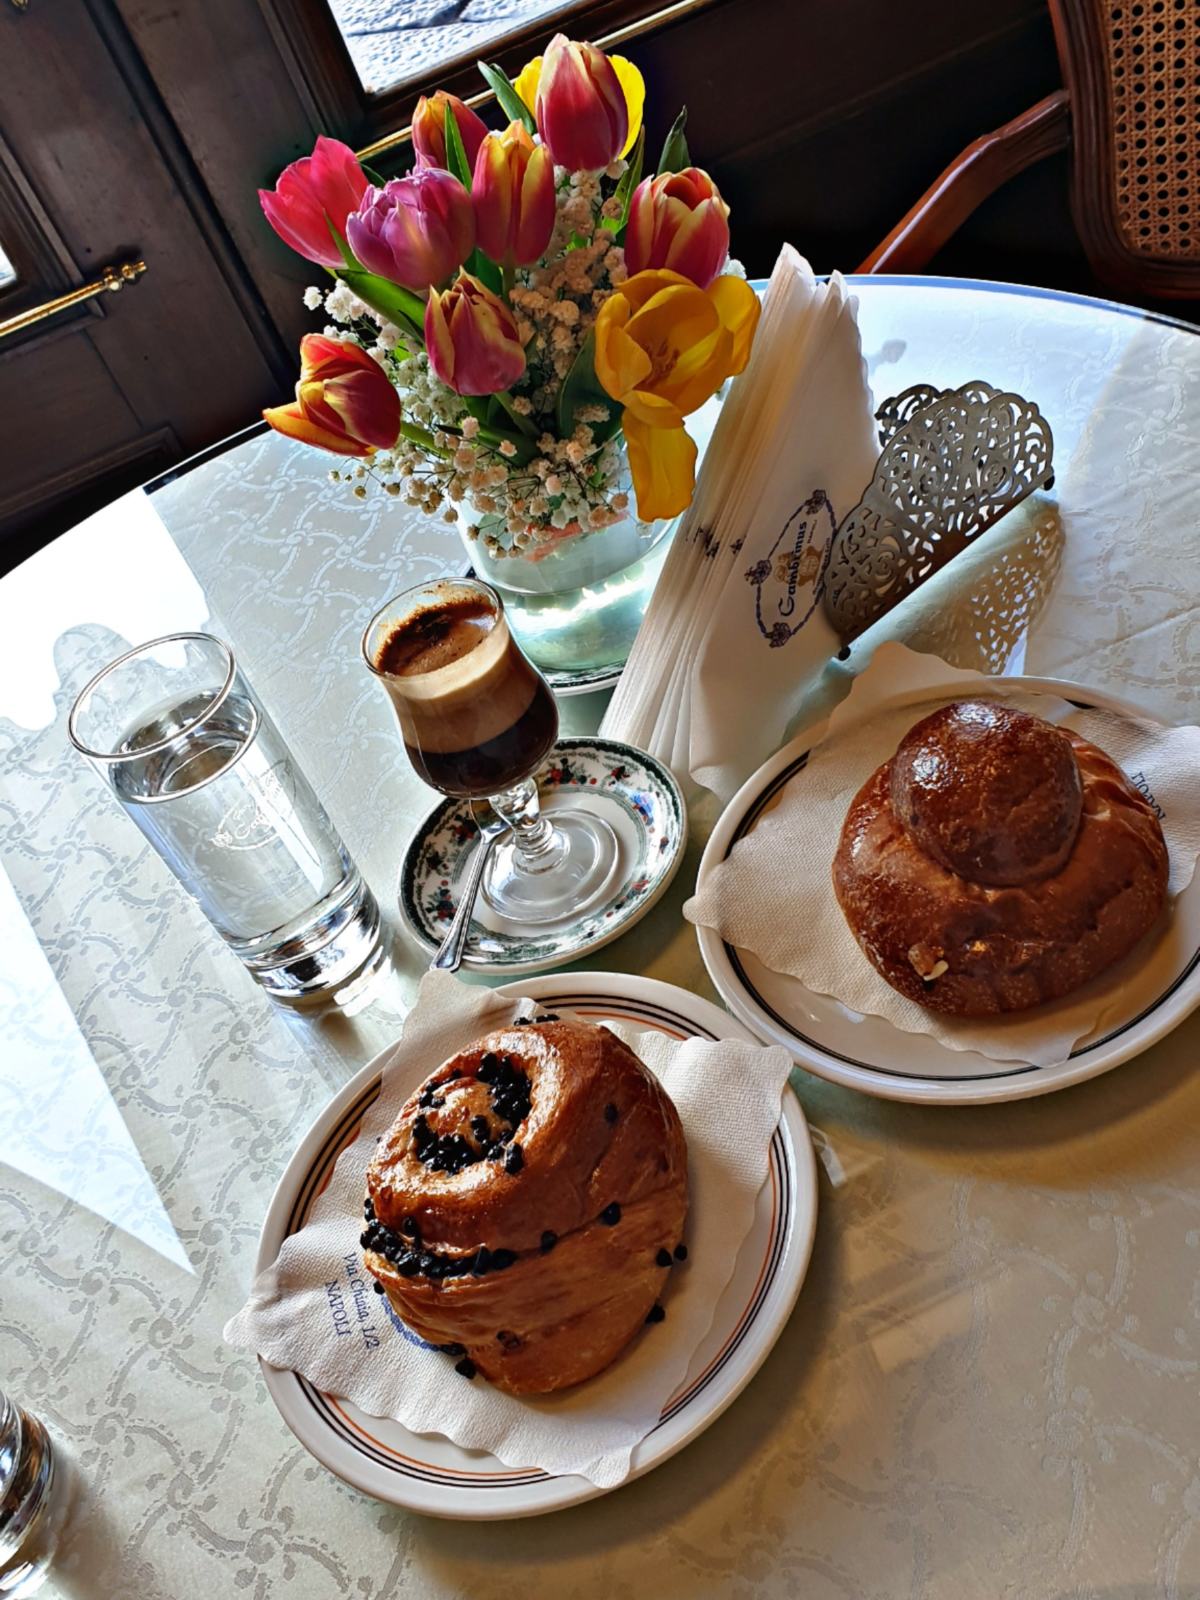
(997, 862)
(523, 1208)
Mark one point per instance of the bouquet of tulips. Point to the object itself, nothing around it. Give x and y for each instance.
(516, 306)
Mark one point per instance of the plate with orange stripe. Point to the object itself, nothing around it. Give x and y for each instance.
(431, 1474)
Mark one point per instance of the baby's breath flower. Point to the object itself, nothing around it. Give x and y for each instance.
(313, 297)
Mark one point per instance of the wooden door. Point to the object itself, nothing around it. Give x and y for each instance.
(98, 396)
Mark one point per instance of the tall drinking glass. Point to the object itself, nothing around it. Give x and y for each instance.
(188, 751)
(478, 720)
(32, 1501)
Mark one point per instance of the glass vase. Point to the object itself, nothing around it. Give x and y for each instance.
(576, 605)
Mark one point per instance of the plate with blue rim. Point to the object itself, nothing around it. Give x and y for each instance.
(632, 791)
(429, 1473)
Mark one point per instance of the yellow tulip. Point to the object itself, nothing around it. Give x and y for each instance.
(633, 86)
(663, 346)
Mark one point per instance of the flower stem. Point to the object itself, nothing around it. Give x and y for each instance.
(424, 440)
(523, 423)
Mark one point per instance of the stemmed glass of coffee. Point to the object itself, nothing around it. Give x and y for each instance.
(478, 720)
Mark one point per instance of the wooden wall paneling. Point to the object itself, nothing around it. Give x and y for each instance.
(823, 122)
(179, 344)
(242, 117)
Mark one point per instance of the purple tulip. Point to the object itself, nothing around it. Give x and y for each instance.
(415, 231)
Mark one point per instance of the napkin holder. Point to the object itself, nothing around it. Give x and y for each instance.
(952, 463)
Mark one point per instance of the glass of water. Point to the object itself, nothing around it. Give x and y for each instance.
(32, 1501)
(196, 762)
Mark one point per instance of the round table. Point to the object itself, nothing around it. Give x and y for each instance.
(989, 1385)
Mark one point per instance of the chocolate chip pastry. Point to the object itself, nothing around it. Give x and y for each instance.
(997, 861)
(524, 1210)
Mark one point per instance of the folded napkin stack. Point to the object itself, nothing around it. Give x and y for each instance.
(734, 632)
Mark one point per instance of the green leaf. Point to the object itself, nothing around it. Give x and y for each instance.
(373, 175)
(581, 387)
(675, 151)
(456, 151)
(401, 306)
(630, 179)
(346, 253)
(513, 107)
(486, 270)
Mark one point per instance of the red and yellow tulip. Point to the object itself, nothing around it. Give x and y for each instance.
(429, 129)
(345, 401)
(471, 339)
(678, 221)
(312, 196)
(513, 191)
(663, 346)
(580, 106)
(633, 89)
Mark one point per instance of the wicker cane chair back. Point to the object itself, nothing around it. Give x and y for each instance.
(1132, 68)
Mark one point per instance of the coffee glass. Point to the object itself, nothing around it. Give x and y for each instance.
(478, 720)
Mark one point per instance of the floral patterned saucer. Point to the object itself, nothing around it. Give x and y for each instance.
(634, 793)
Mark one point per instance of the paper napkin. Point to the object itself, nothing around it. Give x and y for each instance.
(593, 1428)
(774, 896)
(734, 633)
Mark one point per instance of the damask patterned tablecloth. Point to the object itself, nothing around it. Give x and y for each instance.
(990, 1384)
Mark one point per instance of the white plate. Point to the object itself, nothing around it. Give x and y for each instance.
(429, 1473)
(868, 1053)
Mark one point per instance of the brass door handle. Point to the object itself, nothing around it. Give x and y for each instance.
(110, 280)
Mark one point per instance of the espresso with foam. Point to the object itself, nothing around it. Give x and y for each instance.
(475, 716)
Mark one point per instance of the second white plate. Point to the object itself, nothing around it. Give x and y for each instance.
(868, 1053)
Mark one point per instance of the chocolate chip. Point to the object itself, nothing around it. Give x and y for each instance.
(369, 1209)
(611, 1215)
(366, 1240)
(481, 1128)
(453, 1349)
(610, 1113)
(513, 1160)
(549, 1240)
(663, 1258)
(408, 1266)
(502, 1259)
(510, 1341)
(408, 1227)
(549, 1016)
(655, 1313)
(377, 1286)
(466, 1366)
(681, 1252)
(482, 1262)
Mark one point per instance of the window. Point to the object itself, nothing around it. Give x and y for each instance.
(397, 41)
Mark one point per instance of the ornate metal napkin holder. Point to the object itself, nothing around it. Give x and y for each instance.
(953, 462)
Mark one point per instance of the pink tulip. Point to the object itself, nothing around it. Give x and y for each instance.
(678, 221)
(312, 195)
(471, 337)
(415, 231)
(581, 111)
(513, 191)
(429, 129)
(345, 401)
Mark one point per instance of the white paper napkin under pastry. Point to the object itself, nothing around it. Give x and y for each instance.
(723, 658)
(774, 895)
(728, 1097)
